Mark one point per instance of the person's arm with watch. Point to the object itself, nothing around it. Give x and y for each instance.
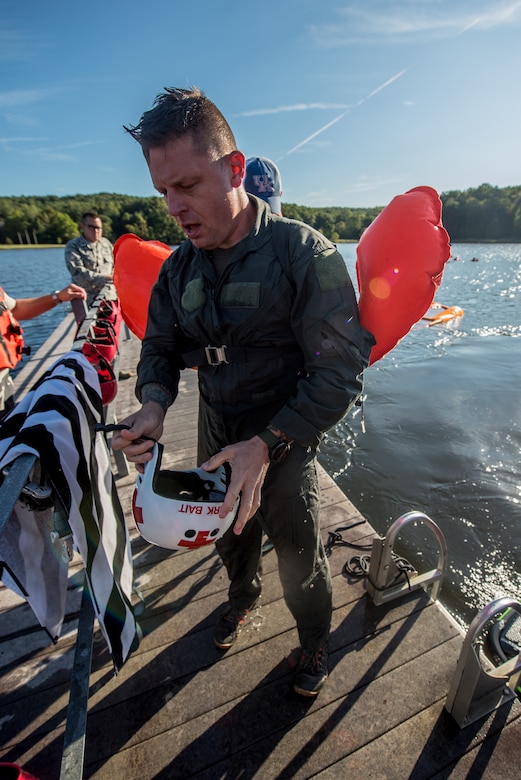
(29, 308)
(277, 443)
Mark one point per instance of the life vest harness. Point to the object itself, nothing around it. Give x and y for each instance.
(215, 356)
(11, 337)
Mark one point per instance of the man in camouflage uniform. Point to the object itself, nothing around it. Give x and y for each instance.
(90, 260)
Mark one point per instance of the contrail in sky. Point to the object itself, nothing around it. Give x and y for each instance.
(469, 25)
(342, 115)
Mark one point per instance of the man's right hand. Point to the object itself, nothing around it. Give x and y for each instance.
(145, 427)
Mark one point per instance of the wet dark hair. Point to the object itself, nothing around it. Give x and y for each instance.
(180, 112)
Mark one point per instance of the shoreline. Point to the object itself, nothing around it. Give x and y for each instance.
(339, 241)
(32, 246)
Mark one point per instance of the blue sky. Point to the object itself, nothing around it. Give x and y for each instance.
(356, 101)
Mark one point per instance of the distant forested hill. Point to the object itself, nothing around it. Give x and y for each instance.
(485, 213)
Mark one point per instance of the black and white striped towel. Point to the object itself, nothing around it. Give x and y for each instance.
(55, 420)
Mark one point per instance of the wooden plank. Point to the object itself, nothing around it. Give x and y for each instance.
(430, 745)
(251, 719)
(57, 344)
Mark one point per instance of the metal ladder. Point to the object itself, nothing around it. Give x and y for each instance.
(381, 582)
(479, 686)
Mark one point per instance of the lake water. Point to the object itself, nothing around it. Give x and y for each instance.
(27, 273)
(442, 421)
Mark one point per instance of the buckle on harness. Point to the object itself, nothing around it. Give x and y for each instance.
(215, 355)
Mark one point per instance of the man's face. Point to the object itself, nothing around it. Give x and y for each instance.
(92, 229)
(200, 192)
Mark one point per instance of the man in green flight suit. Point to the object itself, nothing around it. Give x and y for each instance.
(265, 309)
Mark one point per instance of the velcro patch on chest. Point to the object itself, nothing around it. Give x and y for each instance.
(194, 296)
(243, 295)
(331, 270)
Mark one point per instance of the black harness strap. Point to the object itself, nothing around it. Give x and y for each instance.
(214, 356)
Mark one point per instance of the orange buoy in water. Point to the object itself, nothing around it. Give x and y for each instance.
(400, 261)
(136, 268)
(445, 314)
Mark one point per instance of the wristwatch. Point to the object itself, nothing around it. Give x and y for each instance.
(54, 296)
(277, 447)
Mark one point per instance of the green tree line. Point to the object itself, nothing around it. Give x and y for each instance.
(483, 213)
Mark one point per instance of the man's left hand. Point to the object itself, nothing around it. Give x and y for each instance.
(249, 462)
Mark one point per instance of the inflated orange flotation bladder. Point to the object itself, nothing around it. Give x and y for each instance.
(400, 261)
(136, 268)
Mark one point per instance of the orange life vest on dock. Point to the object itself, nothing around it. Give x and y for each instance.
(11, 336)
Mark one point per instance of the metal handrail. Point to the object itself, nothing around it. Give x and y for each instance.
(478, 687)
(86, 321)
(74, 739)
(12, 485)
(14, 480)
(383, 571)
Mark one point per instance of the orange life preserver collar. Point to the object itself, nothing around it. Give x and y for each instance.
(11, 336)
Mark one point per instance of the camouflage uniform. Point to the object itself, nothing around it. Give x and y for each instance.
(88, 263)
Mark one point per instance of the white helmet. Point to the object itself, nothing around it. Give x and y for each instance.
(179, 510)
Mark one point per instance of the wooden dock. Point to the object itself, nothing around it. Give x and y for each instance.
(180, 708)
